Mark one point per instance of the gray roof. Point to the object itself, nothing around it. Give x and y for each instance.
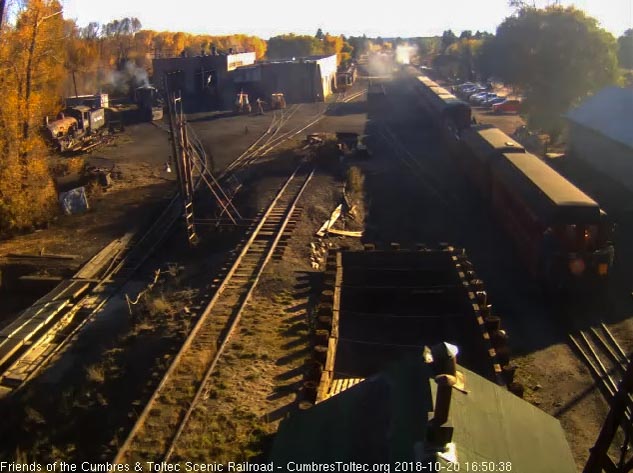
(608, 112)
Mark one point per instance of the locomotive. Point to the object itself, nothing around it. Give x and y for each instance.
(561, 234)
(75, 126)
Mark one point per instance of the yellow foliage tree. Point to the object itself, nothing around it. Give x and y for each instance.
(32, 69)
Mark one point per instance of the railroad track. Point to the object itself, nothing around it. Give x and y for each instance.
(271, 139)
(445, 196)
(606, 360)
(159, 427)
(115, 267)
(74, 313)
(266, 140)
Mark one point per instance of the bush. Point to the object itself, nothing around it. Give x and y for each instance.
(28, 195)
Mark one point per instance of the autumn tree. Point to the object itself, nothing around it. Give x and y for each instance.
(464, 52)
(556, 56)
(81, 54)
(359, 45)
(119, 35)
(32, 64)
(426, 46)
(291, 45)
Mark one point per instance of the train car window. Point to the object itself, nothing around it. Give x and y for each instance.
(590, 236)
(571, 236)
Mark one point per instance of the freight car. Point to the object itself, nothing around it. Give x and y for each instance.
(560, 233)
(75, 127)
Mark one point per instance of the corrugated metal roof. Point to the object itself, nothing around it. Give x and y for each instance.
(609, 112)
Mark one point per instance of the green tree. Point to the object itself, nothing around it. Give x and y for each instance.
(625, 49)
(319, 34)
(359, 45)
(485, 61)
(464, 53)
(291, 45)
(448, 38)
(426, 46)
(556, 56)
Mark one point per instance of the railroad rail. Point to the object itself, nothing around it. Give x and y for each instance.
(44, 329)
(157, 430)
(444, 195)
(265, 144)
(606, 360)
(28, 344)
(279, 120)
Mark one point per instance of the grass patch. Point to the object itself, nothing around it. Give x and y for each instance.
(96, 374)
(355, 181)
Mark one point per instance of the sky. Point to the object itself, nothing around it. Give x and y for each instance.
(267, 18)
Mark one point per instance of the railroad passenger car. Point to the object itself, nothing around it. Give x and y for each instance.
(480, 146)
(560, 232)
(450, 113)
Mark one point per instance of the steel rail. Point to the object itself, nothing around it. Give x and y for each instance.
(205, 316)
(203, 385)
(589, 354)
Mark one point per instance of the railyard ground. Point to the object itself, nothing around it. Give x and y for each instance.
(414, 194)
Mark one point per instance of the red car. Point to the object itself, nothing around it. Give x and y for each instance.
(507, 106)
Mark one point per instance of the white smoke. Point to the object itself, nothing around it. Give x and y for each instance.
(140, 75)
(404, 53)
(131, 76)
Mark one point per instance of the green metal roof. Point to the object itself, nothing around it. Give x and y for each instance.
(486, 141)
(383, 418)
(558, 189)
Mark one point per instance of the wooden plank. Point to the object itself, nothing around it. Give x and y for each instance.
(41, 256)
(324, 387)
(336, 213)
(335, 319)
(348, 233)
(52, 307)
(331, 354)
(40, 278)
(336, 303)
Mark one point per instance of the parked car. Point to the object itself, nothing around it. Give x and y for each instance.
(480, 98)
(473, 89)
(490, 102)
(507, 106)
(466, 85)
(457, 89)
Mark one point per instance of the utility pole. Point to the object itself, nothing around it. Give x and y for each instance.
(189, 159)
